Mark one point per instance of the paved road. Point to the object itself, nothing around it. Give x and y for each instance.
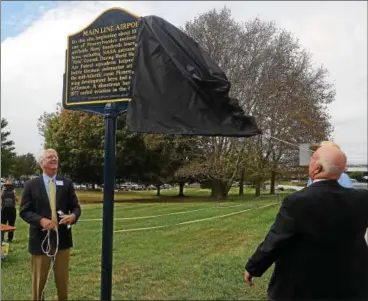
(297, 188)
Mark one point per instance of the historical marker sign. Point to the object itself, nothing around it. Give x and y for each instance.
(99, 61)
(98, 77)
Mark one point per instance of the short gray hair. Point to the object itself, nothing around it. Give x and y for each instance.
(45, 153)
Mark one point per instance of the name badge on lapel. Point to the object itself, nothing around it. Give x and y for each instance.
(59, 183)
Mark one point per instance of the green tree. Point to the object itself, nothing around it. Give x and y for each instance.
(161, 159)
(187, 153)
(357, 175)
(276, 82)
(132, 157)
(25, 166)
(220, 36)
(7, 150)
(79, 140)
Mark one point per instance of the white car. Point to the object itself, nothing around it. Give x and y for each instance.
(359, 185)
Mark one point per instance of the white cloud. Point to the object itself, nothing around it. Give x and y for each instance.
(32, 66)
(32, 63)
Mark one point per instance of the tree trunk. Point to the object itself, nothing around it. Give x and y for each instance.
(273, 182)
(181, 189)
(241, 182)
(219, 189)
(258, 187)
(158, 190)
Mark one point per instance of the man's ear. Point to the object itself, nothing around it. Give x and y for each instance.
(319, 169)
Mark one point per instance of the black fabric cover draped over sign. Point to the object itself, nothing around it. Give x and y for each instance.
(178, 89)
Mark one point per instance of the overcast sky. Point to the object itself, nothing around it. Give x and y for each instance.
(34, 35)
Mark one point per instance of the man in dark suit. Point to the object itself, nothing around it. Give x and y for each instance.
(317, 241)
(42, 198)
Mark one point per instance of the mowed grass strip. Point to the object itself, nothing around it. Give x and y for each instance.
(192, 195)
(199, 261)
(199, 216)
(124, 213)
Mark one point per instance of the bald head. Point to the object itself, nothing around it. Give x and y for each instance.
(328, 162)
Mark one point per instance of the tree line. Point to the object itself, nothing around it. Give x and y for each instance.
(275, 80)
(19, 167)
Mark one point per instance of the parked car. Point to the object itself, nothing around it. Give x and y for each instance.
(80, 186)
(359, 185)
(125, 187)
(19, 184)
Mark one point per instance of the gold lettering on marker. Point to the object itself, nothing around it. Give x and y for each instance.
(101, 61)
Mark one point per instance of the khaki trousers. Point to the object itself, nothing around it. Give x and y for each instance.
(40, 265)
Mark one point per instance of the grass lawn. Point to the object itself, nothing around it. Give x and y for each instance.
(203, 260)
(167, 195)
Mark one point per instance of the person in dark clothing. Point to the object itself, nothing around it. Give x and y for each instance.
(317, 241)
(8, 208)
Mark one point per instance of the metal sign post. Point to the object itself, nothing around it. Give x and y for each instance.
(97, 79)
(108, 204)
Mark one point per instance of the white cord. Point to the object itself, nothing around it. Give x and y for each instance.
(284, 141)
(295, 145)
(47, 251)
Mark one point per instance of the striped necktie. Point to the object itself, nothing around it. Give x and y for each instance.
(53, 201)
